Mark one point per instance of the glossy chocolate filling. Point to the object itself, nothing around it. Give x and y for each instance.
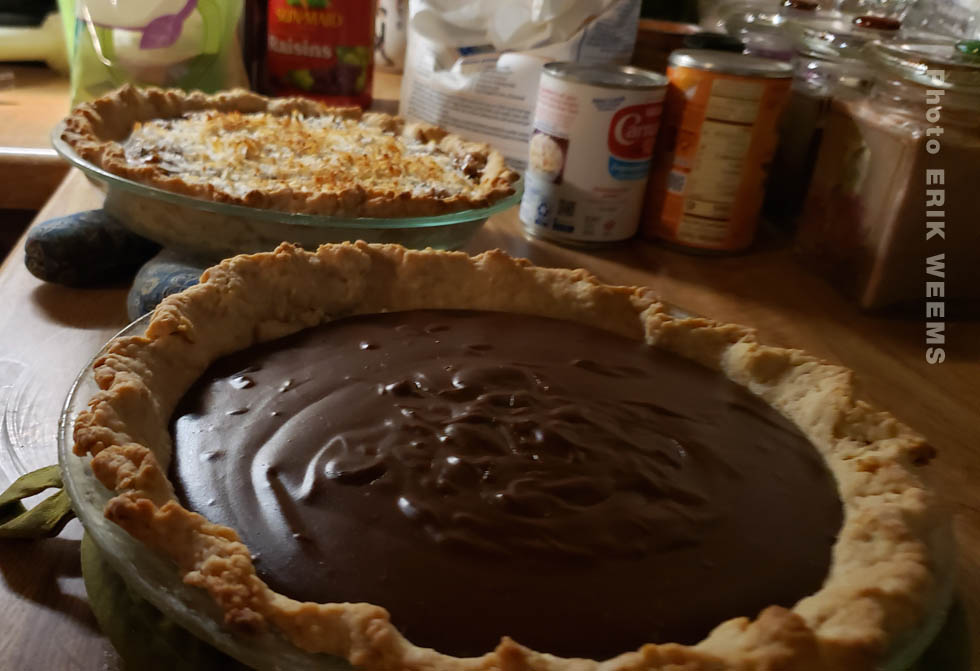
(487, 474)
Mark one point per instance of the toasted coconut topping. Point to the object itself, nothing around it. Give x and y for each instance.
(238, 153)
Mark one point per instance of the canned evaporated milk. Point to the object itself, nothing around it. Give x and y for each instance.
(594, 131)
(720, 132)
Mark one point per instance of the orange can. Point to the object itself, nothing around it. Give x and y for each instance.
(718, 136)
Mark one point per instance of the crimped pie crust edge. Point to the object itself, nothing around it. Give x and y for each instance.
(888, 566)
(95, 129)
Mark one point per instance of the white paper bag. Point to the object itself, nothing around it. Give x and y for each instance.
(473, 66)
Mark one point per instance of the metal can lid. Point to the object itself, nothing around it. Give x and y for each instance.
(607, 76)
(714, 42)
(731, 63)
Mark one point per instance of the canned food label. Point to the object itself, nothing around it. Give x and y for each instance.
(321, 49)
(589, 158)
(631, 136)
(719, 137)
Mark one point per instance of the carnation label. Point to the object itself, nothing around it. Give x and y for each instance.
(593, 135)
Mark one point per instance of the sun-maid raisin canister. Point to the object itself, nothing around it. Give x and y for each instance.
(593, 134)
(322, 49)
(719, 134)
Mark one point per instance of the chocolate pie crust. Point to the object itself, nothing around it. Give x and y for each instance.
(890, 564)
(467, 175)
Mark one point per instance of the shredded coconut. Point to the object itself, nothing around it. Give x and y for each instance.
(237, 153)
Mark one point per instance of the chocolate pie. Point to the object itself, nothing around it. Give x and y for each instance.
(289, 154)
(425, 460)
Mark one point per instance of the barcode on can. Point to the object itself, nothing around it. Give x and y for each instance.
(676, 181)
(566, 208)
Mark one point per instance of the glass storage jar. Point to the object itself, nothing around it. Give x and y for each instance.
(763, 28)
(829, 63)
(892, 206)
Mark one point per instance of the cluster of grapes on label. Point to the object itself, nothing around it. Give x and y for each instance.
(346, 77)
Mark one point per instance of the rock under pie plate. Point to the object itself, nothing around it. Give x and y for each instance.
(426, 460)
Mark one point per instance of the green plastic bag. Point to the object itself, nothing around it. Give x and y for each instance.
(188, 44)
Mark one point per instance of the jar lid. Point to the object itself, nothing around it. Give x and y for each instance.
(922, 63)
(834, 38)
(800, 5)
(763, 32)
(742, 19)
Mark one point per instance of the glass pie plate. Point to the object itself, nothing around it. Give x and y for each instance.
(209, 230)
(156, 579)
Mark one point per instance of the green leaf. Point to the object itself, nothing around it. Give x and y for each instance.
(47, 518)
(10, 511)
(31, 483)
(143, 636)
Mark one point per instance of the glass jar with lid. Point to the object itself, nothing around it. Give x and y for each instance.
(763, 28)
(894, 189)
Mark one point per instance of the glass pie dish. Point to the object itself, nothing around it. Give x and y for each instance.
(156, 579)
(211, 230)
(151, 576)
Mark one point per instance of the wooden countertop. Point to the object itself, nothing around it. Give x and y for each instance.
(47, 333)
(30, 170)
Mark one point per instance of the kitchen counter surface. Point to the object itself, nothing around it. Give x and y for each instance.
(30, 170)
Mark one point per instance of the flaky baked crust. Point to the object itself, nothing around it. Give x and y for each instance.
(96, 130)
(889, 564)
